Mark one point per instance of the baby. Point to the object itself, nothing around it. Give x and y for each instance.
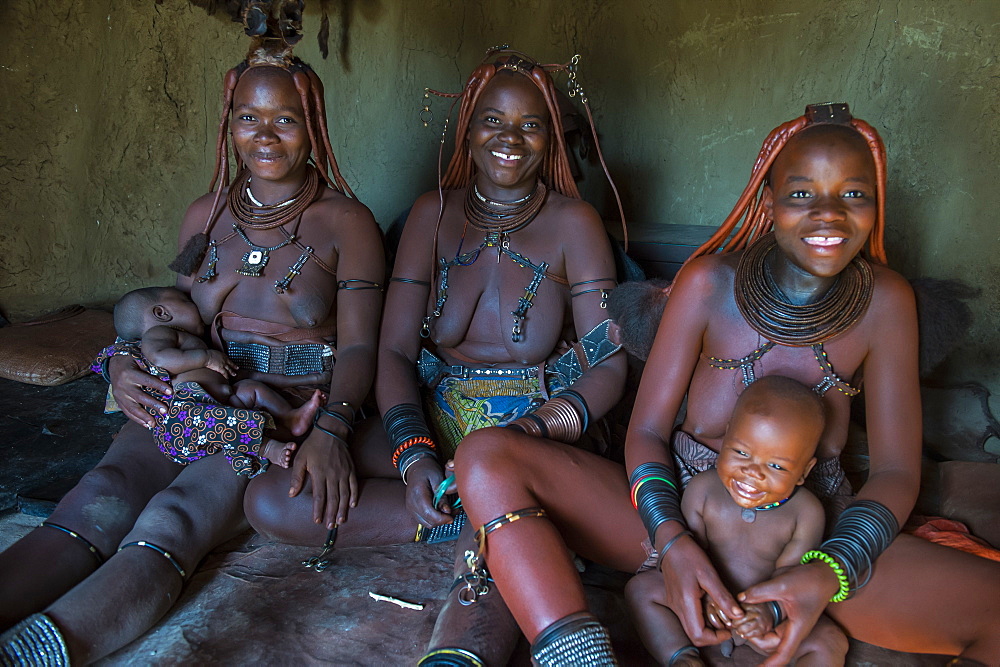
(751, 517)
(205, 414)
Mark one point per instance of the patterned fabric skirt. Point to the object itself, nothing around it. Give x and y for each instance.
(458, 406)
(196, 426)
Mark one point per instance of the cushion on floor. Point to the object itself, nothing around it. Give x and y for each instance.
(55, 348)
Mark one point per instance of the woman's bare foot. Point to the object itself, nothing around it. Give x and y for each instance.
(299, 420)
(279, 453)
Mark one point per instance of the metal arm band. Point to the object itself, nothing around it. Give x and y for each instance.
(862, 532)
(411, 281)
(365, 284)
(656, 496)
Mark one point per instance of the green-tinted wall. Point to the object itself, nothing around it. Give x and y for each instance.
(109, 110)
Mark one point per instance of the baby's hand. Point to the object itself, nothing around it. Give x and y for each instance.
(715, 616)
(220, 363)
(757, 621)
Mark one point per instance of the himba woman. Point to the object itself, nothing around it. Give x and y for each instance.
(801, 290)
(290, 283)
(493, 272)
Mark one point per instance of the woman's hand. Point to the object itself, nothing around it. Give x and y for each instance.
(803, 592)
(422, 480)
(330, 468)
(687, 575)
(127, 383)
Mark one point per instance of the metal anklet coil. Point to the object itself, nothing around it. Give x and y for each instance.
(577, 639)
(35, 641)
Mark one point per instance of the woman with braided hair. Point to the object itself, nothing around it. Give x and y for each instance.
(286, 241)
(800, 290)
(493, 271)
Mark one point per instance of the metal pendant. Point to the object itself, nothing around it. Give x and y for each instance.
(748, 514)
(254, 262)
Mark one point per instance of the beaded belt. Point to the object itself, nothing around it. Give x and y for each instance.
(466, 373)
(431, 369)
(302, 359)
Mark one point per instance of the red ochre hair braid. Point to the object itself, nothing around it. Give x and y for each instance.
(310, 89)
(555, 171)
(749, 207)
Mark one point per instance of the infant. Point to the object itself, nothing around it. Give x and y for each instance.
(752, 516)
(206, 414)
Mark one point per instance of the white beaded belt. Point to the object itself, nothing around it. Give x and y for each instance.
(467, 373)
(299, 359)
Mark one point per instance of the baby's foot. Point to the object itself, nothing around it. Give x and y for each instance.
(279, 453)
(301, 419)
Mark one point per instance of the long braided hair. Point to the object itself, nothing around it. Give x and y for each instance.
(750, 209)
(555, 171)
(265, 52)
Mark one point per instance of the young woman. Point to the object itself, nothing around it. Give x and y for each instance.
(493, 273)
(290, 286)
(805, 302)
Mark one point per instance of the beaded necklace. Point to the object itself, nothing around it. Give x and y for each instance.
(252, 214)
(749, 514)
(497, 217)
(771, 314)
(482, 214)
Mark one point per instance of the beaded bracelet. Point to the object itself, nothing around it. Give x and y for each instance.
(845, 586)
(419, 440)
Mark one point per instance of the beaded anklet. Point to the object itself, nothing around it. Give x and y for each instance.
(160, 550)
(87, 543)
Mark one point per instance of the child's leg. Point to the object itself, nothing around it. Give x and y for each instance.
(215, 384)
(826, 645)
(258, 396)
(658, 627)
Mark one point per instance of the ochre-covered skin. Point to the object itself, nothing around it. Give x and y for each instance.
(135, 493)
(927, 598)
(508, 136)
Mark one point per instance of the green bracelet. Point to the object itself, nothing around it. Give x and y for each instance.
(845, 586)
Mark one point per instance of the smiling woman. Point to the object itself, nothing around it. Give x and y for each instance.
(291, 285)
(493, 272)
(813, 295)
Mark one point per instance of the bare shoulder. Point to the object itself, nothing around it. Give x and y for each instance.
(337, 211)
(890, 287)
(425, 210)
(707, 276)
(158, 338)
(197, 215)
(574, 214)
(806, 507)
(703, 485)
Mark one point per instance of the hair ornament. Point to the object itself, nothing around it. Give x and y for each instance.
(275, 26)
(732, 236)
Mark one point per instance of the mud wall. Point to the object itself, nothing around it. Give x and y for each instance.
(110, 109)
